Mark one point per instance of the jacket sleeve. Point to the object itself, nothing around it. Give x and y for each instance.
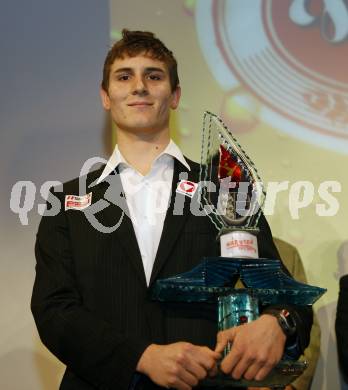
(88, 345)
(303, 315)
(342, 327)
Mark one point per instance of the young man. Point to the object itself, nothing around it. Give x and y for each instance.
(91, 298)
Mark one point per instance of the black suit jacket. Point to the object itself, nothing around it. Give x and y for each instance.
(90, 300)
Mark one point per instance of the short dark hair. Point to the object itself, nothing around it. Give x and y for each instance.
(137, 42)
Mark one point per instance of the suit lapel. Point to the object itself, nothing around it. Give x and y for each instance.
(177, 213)
(174, 223)
(112, 214)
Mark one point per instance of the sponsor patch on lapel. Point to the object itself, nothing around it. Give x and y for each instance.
(74, 202)
(187, 188)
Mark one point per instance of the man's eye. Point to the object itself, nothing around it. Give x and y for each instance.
(123, 77)
(154, 77)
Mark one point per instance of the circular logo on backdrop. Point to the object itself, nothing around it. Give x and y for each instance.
(292, 55)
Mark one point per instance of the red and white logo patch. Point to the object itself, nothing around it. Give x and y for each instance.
(187, 188)
(74, 202)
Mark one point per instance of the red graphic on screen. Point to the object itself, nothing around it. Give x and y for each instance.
(313, 45)
(295, 63)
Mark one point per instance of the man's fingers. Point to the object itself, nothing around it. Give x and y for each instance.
(223, 338)
(221, 342)
(202, 361)
(188, 378)
(177, 383)
(231, 360)
(181, 379)
(263, 388)
(215, 355)
(260, 368)
(257, 347)
(179, 365)
(247, 365)
(207, 358)
(263, 372)
(197, 370)
(243, 366)
(213, 372)
(252, 371)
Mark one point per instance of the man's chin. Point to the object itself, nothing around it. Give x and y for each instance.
(144, 128)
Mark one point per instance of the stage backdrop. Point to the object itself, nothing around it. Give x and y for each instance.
(274, 71)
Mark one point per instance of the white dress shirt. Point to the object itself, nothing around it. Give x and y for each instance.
(147, 197)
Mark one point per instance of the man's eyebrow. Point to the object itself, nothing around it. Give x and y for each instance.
(149, 69)
(120, 70)
(154, 69)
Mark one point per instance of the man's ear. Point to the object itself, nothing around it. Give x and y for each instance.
(105, 98)
(176, 97)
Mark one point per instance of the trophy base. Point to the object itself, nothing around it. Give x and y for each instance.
(284, 373)
(216, 276)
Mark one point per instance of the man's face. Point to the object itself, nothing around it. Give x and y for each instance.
(140, 95)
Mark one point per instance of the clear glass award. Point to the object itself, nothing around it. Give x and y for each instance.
(235, 211)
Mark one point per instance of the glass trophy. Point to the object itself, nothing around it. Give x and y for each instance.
(235, 211)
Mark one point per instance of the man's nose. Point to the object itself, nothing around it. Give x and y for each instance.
(140, 86)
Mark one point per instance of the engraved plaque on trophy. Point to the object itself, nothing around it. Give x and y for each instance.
(235, 211)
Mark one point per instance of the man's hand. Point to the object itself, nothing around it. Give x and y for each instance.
(256, 348)
(180, 365)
